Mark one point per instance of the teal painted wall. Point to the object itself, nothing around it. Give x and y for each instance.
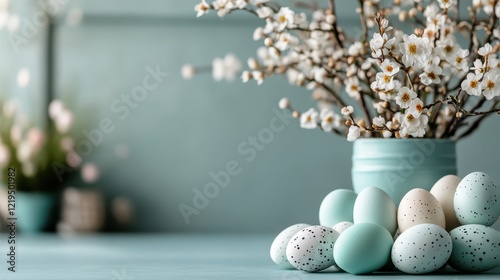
(183, 130)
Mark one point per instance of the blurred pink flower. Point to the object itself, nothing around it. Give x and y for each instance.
(36, 137)
(73, 159)
(90, 173)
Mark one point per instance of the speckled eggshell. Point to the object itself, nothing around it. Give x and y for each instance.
(373, 205)
(444, 191)
(311, 249)
(419, 206)
(278, 247)
(421, 249)
(363, 248)
(342, 226)
(337, 207)
(477, 200)
(476, 248)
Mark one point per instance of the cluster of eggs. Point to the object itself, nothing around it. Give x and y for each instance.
(365, 232)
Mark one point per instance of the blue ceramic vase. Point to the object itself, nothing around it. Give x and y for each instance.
(399, 165)
(35, 210)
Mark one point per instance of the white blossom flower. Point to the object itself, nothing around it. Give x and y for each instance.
(446, 49)
(309, 119)
(487, 6)
(223, 7)
(390, 47)
(416, 51)
(201, 8)
(491, 84)
(319, 74)
(389, 68)
(346, 111)
(264, 12)
(246, 76)
(188, 71)
(284, 103)
(258, 76)
(285, 40)
(376, 44)
(420, 130)
(445, 4)
(384, 82)
(472, 84)
(404, 97)
(354, 133)
(355, 49)
(258, 33)
(285, 18)
(226, 68)
(416, 107)
(411, 121)
(379, 121)
(329, 120)
(459, 60)
(431, 74)
(478, 66)
(486, 50)
(352, 88)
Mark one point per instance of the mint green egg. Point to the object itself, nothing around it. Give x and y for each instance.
(373, 205)
(337, 207)
(363, 248)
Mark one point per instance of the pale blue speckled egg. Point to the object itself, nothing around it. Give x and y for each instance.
(477, 200)
(476, 248)
(421, 249)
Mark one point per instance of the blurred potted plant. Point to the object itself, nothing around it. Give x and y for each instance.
(35, 164)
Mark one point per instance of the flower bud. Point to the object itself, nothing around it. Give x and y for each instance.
(284, 103)
(296, 114)
(268, 42)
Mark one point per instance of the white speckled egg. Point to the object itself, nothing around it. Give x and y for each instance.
(363, 248)
(342, 226)
(444, 191)
(373, 205)
(476, 248)
(423, 248)
(311, 249)
(419, 206)
(278, 247)
(476, 200)
(337, 207)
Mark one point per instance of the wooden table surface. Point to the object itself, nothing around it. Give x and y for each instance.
(167, 256)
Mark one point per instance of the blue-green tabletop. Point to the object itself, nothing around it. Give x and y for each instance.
(168, 256)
